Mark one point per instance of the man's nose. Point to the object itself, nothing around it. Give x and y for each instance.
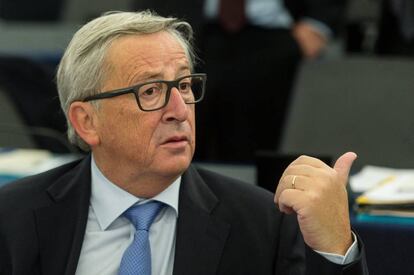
(176, 108)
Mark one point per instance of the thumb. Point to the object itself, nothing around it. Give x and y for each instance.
(343, 165)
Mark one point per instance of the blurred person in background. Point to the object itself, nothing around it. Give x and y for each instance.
(251, 50)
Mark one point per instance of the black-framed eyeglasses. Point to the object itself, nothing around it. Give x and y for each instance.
(154, 95)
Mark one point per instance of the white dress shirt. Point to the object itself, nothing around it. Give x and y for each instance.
(108, 234)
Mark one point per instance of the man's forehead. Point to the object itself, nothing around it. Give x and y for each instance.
(148, 48)
(158, 40)
(142, 57)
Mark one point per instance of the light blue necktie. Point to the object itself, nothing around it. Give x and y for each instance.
(137, 257)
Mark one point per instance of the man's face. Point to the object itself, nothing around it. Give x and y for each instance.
(156, 143)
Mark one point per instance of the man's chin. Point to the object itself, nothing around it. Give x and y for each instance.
(176, 163)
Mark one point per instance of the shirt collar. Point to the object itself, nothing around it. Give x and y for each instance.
(109, 201)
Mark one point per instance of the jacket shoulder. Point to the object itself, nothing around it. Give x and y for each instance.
(29, 189)
(238, 195)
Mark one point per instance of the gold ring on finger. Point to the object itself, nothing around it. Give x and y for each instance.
(294, 182)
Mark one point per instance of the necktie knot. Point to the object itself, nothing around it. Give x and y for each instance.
(143, 215)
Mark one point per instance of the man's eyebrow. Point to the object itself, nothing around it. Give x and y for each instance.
(183, 71)
(148, 76)
(184, 68)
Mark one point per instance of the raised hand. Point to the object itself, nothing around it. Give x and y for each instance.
(317, 194)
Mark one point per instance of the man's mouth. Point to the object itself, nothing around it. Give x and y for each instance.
(176, 141)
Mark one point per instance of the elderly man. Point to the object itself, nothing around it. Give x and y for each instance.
(136, 205)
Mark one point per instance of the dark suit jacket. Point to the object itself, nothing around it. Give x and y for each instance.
(224, 227)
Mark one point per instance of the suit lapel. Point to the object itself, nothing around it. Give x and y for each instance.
(61, 225)
(200, 236)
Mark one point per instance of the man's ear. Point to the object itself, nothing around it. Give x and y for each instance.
(84, 120)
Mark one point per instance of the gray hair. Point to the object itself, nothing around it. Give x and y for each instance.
(82, 69)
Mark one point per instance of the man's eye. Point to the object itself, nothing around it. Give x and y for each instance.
(185, 86)
(149, 91)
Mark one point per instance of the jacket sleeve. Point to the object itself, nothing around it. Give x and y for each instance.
(294, 257)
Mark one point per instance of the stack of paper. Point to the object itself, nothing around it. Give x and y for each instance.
(18, 163)
(386, 191)
(22, 162)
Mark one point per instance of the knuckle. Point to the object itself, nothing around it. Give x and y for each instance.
(283, 179)
(314, 198)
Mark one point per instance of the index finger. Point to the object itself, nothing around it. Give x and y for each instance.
(308, 160)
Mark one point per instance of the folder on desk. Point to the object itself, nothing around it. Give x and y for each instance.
(393, 196)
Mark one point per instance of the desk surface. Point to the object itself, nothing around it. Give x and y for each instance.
(389, 246)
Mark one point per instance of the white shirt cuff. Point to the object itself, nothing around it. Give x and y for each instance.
(350, 256)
